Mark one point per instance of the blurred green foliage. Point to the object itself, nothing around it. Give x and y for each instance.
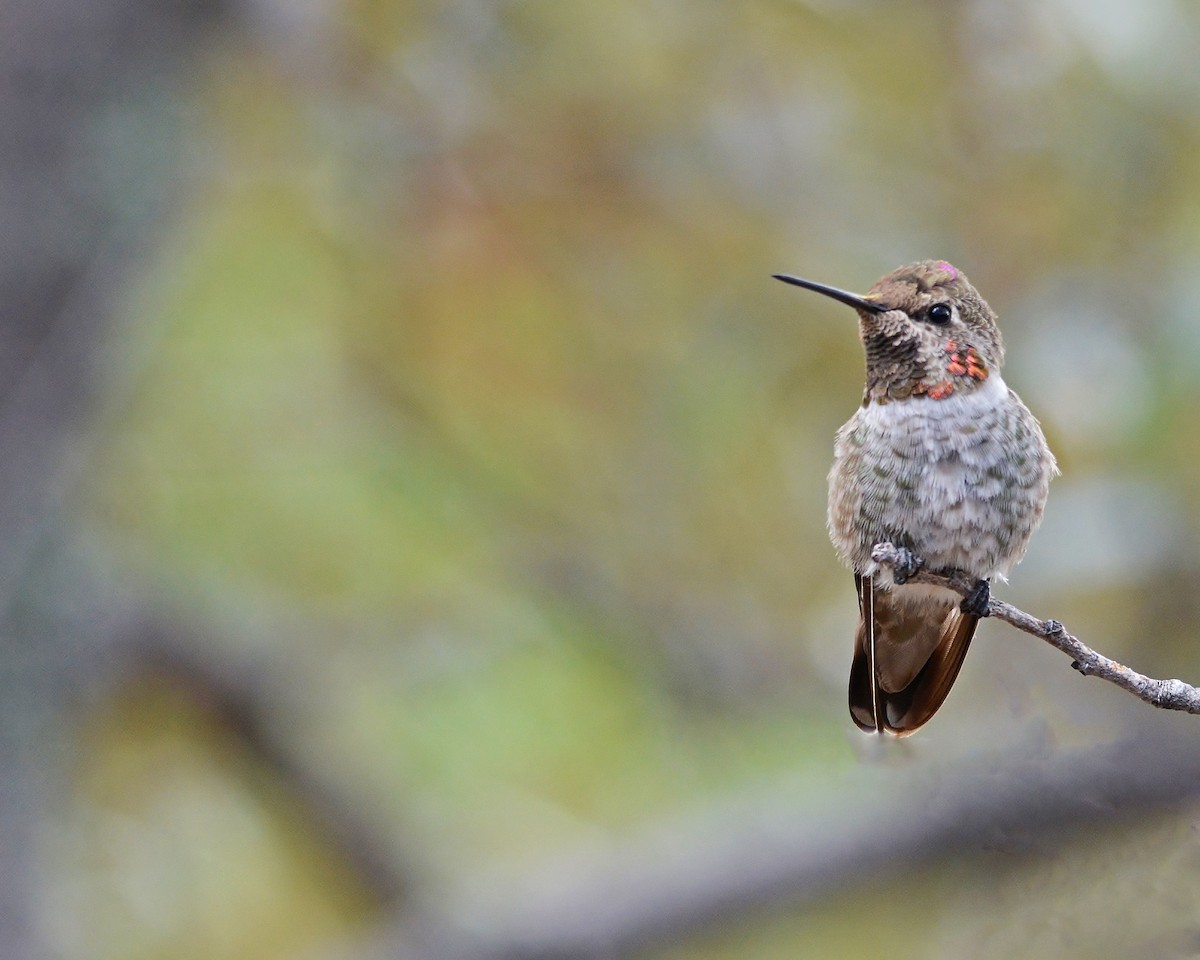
(466, 370)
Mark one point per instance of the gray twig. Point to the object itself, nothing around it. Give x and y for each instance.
(1167, 694)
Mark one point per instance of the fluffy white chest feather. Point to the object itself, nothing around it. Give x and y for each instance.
(959, 480)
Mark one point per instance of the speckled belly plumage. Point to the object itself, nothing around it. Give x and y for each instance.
(960, 481)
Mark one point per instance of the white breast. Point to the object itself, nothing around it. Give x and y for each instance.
(919, 414)
(961, 480)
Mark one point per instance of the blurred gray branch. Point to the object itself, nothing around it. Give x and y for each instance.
(778, 847)
(1167, 694)
(78, 173)
(248, 700)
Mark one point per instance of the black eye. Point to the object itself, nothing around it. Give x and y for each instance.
(939, 313)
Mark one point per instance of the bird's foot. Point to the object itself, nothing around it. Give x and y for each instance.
(977, 603)
(906, 566)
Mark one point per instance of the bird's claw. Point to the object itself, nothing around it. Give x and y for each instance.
(977, 603)
(906, 566)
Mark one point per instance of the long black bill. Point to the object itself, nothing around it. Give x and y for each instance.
(844, 296)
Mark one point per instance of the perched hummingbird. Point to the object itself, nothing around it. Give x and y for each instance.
(941, 459)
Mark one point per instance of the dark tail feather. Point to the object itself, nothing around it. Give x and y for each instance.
(904, 711)
(864, 694)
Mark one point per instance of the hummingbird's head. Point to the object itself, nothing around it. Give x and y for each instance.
(925, 329)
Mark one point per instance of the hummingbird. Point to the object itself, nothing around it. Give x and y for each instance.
(941, 459)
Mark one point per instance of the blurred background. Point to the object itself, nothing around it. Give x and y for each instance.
(412, 483)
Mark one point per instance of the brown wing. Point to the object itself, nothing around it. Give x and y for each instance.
(906, 658)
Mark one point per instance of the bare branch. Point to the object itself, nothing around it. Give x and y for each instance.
(1167, 694)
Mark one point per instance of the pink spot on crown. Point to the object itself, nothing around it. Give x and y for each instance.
(949, 269)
